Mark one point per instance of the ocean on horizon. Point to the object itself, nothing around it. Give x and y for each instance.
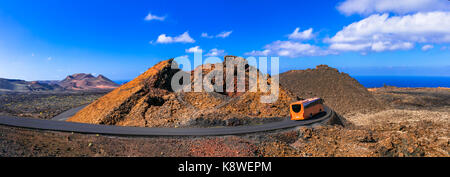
(398, 81)
(404, 81)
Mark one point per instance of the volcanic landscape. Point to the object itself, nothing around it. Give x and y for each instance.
(386, 121)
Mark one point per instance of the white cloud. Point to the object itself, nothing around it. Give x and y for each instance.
(349, 47)
(164, 39)
(427, 47)
(387, 45)
(150, 17)
(194, 49)
(304, 35)
(205, 35)
(216, 52)
(258, 52)
(367, 7)
(290, 49)
(49, 58)
(381, 32)
(183, 56)
(293, 48)
(183, 38)
(224, 34)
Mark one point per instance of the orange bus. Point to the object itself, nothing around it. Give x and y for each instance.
(305, 109)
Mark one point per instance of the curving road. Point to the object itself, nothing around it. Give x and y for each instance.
(69, 113)
(58, 124)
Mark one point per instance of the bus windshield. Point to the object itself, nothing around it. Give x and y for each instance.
(296, 107)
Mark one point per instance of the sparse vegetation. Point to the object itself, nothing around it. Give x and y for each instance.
(43, 105)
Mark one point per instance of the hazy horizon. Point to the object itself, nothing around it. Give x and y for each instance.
(354, 72)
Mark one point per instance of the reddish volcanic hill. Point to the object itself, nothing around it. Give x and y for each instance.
(149, 101)
(128, 104)
(83, 81)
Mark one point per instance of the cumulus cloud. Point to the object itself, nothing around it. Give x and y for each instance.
(150, 17)
(427, 47)
(290, 49)
(304, 35)
(183, 38)
(381, 32)
(223, 34)
(258, 52)
(367, 7)
(183, 56)
(375, 33)
(194, 49)
(215, 52)
(205, 35)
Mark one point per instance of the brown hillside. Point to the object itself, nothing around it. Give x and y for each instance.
(340, 91)
(239, 104)
(148, 101)
(113, 108)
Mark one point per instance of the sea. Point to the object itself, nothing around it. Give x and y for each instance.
(398, 81)
(404, 81)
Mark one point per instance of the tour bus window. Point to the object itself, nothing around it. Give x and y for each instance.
(297, 107)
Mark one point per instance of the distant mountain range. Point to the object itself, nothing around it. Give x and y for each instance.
(75, 82)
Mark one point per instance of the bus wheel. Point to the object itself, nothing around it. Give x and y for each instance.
(310, 115)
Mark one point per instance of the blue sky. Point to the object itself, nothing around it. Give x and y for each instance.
(50, 39)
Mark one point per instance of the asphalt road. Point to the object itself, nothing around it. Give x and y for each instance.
(69, 113)
(57, 125)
